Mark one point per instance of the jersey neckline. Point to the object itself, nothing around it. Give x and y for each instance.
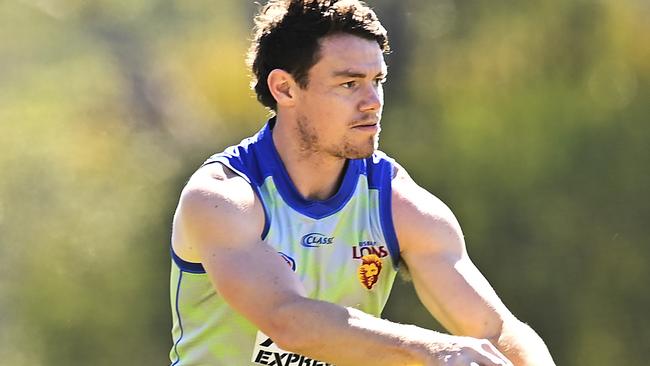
(315, 209)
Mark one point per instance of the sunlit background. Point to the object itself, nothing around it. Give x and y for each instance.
(528, 118)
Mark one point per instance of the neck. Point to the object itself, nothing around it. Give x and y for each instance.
(316, 175)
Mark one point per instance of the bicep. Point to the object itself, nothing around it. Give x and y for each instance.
(253, 279)
(221, 220)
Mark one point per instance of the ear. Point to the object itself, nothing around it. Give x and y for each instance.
(282, 87)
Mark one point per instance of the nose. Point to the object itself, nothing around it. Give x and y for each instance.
(373, 99)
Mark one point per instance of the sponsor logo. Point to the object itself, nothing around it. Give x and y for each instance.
(369, 270)
(313, 240)
(369, 247)
(266, 352)
(290, 261)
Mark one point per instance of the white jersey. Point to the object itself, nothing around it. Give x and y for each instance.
(344, 250)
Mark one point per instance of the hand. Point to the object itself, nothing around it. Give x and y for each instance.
(466, 351)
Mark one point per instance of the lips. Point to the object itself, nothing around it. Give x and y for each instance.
(371, 123)
(366, 125)
(367, 128)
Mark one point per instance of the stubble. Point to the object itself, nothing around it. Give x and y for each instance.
(310, 143)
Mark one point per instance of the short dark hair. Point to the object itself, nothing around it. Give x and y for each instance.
(287, 34)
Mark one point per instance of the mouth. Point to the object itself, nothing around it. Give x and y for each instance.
(367, 126)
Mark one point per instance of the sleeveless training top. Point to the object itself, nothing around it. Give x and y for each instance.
(344, 249)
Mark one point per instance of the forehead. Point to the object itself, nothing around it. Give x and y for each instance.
(346, 52)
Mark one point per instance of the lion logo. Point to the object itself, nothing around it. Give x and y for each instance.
(369, 270)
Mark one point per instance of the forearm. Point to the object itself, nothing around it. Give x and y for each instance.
(522, 345)
(346, 336)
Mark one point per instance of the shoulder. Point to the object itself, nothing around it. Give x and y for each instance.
(422, 221)
(215, 203)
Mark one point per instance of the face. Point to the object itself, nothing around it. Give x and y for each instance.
(339, 111)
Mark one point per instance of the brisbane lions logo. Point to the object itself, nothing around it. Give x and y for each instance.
(369, 270)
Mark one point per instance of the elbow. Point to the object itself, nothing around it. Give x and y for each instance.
(507, 328)
(287, 338)
(522, 345)
(287, 329)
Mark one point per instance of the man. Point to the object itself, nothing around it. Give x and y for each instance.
(286, 246)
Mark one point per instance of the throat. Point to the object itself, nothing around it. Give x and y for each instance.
(319, 182)
(316, 175)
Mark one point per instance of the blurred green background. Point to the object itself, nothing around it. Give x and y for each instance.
(529, 118)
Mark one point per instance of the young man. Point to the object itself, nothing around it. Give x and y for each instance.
(286, 246)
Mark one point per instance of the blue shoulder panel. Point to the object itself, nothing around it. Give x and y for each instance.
(380, 171)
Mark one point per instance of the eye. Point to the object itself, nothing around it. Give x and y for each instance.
(349, 84)
(379, 81)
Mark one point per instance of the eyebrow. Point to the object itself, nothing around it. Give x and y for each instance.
(356, 74)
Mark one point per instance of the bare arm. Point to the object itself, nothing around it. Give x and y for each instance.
(449, 284)
(221, 218)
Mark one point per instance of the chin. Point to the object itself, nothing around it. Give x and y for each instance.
(362, 155)
(361, 152)
(359, 149)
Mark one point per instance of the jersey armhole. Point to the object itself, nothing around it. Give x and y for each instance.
(226, 162)
(197, 268)
(388, 173)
